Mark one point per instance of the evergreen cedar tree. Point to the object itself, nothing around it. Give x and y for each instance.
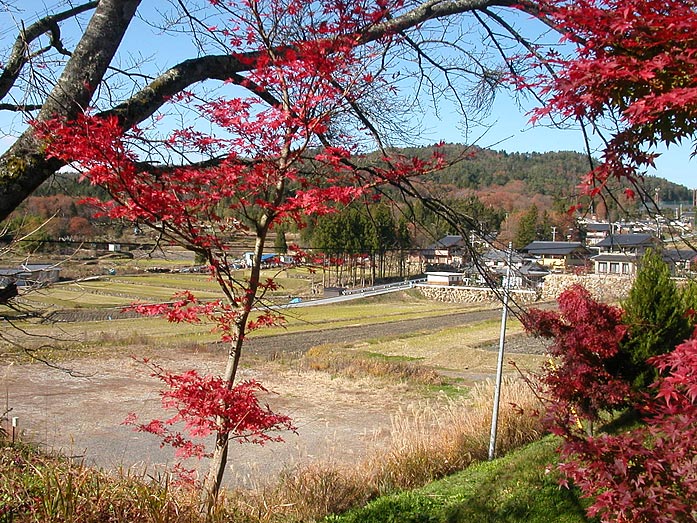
(273, 163)
(641, 474)
(658, 319)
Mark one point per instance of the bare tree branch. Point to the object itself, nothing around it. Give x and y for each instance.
(19, 55)
(23, 108)
(23, 167)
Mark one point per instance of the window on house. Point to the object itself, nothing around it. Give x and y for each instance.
(614, 267)
(625, 268)
(602, 266)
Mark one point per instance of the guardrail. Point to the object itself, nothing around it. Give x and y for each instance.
(384, 287)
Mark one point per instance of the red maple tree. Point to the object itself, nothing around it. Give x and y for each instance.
(633, 67)
(278, 153)
(644, 473)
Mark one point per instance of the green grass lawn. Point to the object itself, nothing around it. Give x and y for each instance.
(520, 487)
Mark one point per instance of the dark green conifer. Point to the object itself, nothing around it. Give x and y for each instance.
(655, 313)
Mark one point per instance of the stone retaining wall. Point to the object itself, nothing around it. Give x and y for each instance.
(457, 294)
(607, 289)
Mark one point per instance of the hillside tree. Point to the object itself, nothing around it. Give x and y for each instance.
(529, 228)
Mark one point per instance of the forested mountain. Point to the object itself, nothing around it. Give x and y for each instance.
(554, 174)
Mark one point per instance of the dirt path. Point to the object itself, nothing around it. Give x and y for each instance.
(337, 418)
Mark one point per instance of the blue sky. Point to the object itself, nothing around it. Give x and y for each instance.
(509, 128)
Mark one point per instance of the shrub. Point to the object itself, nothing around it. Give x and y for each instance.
(646, 474)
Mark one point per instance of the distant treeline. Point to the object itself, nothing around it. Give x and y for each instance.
(554, 174)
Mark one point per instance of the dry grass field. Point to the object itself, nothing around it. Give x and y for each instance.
(376, 381)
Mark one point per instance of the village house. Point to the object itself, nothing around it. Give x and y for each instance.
(620, 253)
(449, 250)
(628, 243)
(444, 278)
(596, 232)
(526, 272)
(680, 261)
(559, 257)
(497, 259)
(615, 263)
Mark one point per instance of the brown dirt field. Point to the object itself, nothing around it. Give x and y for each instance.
(339, 419)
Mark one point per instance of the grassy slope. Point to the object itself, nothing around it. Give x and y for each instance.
(517, 488)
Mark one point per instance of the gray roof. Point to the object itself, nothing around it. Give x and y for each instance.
(541, 248)
(451, 240)
(627, 240)
(533, 269)
(615, 257)
(496, 255)
(676, 255)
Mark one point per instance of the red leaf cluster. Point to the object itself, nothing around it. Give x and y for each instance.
(205, 405)
(634, 63)
(586, 336)
(647, 474)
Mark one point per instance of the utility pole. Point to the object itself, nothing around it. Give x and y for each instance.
(499, 367)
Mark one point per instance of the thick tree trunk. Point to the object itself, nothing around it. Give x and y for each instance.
(24, 167)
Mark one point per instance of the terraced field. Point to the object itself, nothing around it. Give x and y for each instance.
(120, 291)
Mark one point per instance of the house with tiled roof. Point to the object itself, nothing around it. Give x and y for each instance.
(596, 232)
(497, 259)
(449, 250)
(559, 256)
(680, 261)
(628, 243)
(620, 253)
